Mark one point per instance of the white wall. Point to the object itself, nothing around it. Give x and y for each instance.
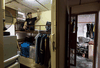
(86, 18)
(82, 19)
(81, 32)
(44, 17)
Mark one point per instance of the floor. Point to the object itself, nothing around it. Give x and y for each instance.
(30, 63)
(83, 63)
(23, 66)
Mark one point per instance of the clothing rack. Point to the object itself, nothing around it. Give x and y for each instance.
(31, 31)
(42, 49)
(86, 22)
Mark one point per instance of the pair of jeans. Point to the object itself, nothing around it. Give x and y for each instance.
(42, 49)
(37, 59)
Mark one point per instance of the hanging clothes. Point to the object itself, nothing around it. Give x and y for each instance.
(42, 50)
(88, 30)
(47, 55)
(48, 28)
(38, 40)
(91, 31)
(73, 26)
(85, 31)
(94, 28)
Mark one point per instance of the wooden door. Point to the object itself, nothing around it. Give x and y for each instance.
(58, 33)
(53, 34)
(72, 39)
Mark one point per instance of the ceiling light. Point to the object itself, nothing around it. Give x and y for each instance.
(51, 1)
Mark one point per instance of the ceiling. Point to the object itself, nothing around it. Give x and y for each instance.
(43, 5)
(29, 5)
(77, 2)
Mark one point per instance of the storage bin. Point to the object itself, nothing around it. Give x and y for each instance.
(25, 49)
(32, 52)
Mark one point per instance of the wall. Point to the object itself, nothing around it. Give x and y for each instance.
(12, 11)
(61, 32)
(86, 8)
(44, 17)
(82, 21)
(12, 28)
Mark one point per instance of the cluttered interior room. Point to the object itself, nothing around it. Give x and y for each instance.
(85, 36)
(30, 21)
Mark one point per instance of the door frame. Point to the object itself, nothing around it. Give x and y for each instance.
(76, 16)
(96, 34)
(2, 7)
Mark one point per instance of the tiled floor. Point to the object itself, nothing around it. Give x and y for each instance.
(29, 63)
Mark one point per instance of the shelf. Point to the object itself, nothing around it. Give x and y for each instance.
(17, 31)
(38, 25)
(29, 62)
(20, 40)
(19, 22)
(35, 32)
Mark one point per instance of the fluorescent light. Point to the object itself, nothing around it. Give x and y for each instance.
(21, 13)
(51, 1)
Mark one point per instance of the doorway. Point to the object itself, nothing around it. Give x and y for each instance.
(82, 40)
(37, 14)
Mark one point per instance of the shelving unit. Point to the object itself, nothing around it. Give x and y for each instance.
(35, 32)
(29, 31)
(23, 60)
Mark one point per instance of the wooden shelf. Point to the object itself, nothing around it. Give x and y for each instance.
(38, 25)
(20, 40)
(35, 32)
(29, 62)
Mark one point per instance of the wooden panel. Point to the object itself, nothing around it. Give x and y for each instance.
(53, 37)
(86, 1)
(7, 1)
(95, 39)
(61, 32)
(85, 8)
(73, 2)
(1, 35)
(77, 2)
(12, 11)
(99, 42)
